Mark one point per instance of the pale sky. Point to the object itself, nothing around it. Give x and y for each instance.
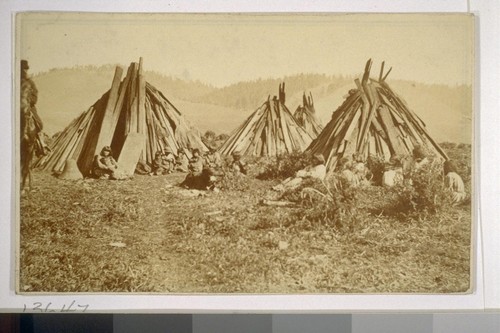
(224, 49)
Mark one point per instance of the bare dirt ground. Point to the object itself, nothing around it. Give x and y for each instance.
(149, 235)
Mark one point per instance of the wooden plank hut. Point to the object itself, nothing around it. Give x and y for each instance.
(269, 131)
(373, 120)
(131, 106)
(306, 116)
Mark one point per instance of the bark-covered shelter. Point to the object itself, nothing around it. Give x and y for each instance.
(373, 120)
(132, 117)
(270, 130)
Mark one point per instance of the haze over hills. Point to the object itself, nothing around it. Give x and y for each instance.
(65, 93)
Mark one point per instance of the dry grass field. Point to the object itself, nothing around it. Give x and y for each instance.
(149, 235)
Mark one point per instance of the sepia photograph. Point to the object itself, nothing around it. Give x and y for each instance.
(244, 153)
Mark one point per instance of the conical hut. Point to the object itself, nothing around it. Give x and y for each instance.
(373, 120)
(269, 131)
(133, 118)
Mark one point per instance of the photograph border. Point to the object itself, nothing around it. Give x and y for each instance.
(287, 303)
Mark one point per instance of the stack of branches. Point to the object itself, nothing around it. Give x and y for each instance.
(269, 131)
(306, 116)
(132, 109)
(373, 121)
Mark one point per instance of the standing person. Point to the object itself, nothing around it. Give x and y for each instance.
(237, 165)
(453, 182)
(105, 165)
(29, 98)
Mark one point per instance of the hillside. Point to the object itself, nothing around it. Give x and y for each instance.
(65, 93)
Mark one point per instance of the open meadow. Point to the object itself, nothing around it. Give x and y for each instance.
(147, 234)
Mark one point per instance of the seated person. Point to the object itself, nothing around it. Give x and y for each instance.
(237, 165)
(142, 168)
(202, 181)
(316, 170)
(195, 166)
(104, 166)
(159, 167)
(213, 159)
(168, 160)
(344, 167)
(453, 182)
(182, 161)
(420, 158)
(360, 170)
(199, 178)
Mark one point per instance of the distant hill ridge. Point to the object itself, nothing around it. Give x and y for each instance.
(66, 92)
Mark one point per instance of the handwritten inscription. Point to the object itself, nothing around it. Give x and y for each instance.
(49, 307)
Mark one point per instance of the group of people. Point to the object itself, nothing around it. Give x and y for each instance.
(355, 172)
(201, 168)
(400, 169)
(204, 170)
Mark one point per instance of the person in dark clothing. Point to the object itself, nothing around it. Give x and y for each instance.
(29, 98)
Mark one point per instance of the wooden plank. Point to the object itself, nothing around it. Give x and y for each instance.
(86, 158)
(66, 141)
(366, 73)
(286, 134)
(245, 129)
(388, 124)
(365, 107)
(419, 124)
(333, 127)
(141, 93)
(107, 127)
(381, 71)
(132, 102)
(387, 74)
(131, 152)
(60, 143)
(371, 114)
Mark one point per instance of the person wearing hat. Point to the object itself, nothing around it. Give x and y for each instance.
(316, 170)
(453, 182)
(237, 165)
(182, 161)
(105, 165)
